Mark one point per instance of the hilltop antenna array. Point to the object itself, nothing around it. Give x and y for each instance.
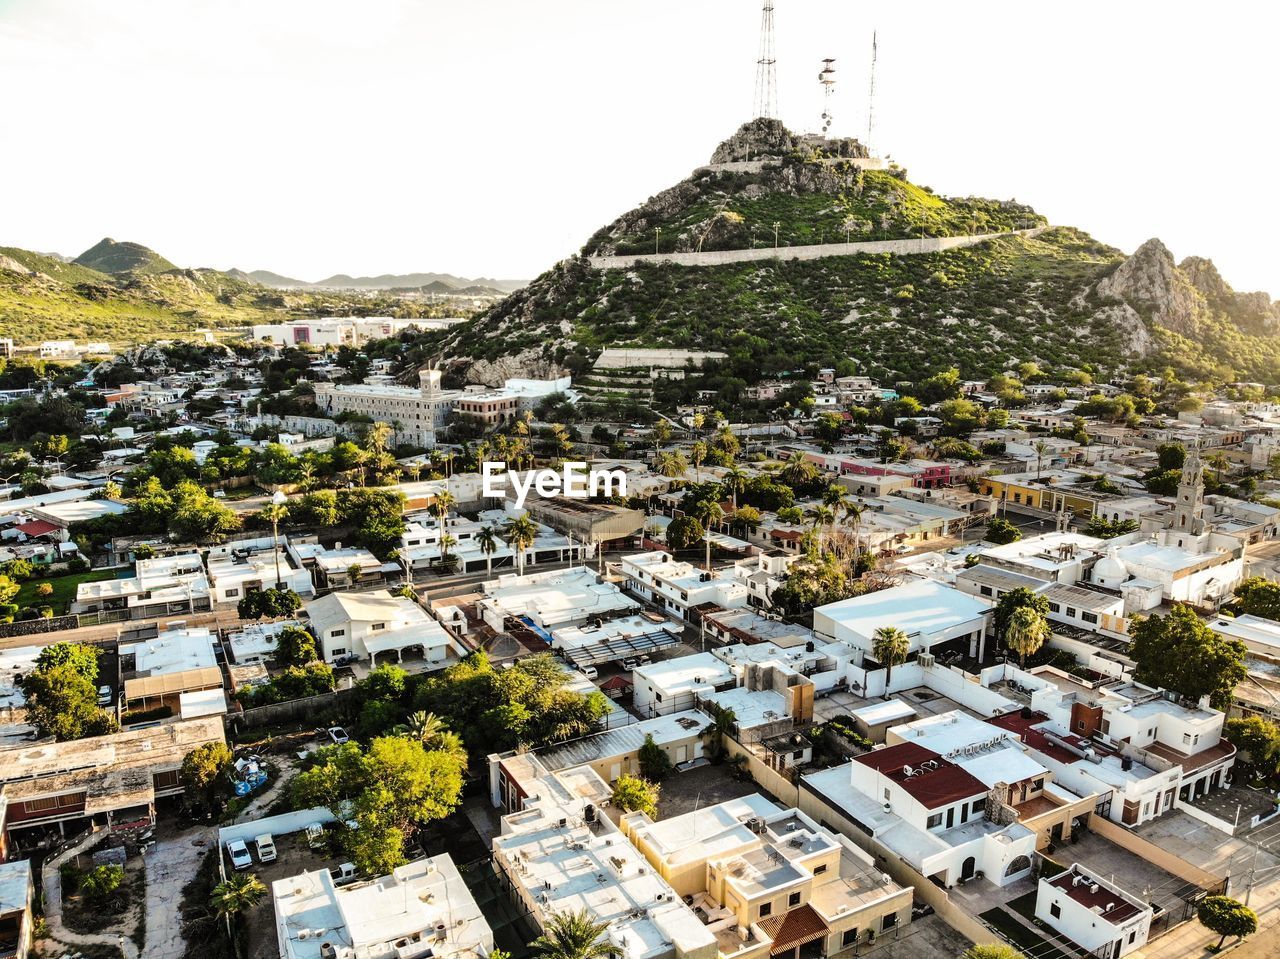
(827, 77)
(871, 96)
(766, 72)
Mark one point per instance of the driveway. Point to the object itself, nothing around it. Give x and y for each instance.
(171, 864)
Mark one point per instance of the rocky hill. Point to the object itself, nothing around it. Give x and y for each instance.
(1059, 298)
(109, 256)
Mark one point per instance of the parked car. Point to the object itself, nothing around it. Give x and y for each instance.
(239, 853)
(344, 873)
(338, 735)
(629, 664)
(590, 672)
(104, 696)
(266, 848)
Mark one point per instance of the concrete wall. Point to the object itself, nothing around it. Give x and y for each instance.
(1154, 854)
(277, 826)
(784, 790)
(933, 244)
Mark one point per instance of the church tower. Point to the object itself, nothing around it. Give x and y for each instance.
(1190, 505)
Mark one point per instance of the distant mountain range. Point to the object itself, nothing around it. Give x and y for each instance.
(433, 282)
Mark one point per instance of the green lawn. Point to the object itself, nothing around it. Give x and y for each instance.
(64, 589)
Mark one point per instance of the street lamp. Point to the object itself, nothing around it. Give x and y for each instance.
(277, 500)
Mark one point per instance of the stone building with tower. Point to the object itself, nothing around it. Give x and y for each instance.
(416, 415)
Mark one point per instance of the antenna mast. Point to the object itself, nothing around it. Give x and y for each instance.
(828, 80)
(766, 75)
(871, 97)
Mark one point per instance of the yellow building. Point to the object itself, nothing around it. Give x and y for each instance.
(770, 882)
(1052, 491)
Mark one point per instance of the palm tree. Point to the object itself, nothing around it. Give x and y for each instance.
(661, 435)
(1027, 632)
(574, 935)
(672, 464)
(698, 453)
(890, 646)
(1041, 447)
(445, 501)
(487, 540)
(735, 482)
(424, 726)
(714, 516)
(822, 516)
(521, 532)
(236, 894)
(798, 471)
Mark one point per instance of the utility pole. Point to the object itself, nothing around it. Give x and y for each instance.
(776, 224)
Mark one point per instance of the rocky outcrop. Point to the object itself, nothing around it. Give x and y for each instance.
(1151, 282)
(757, 139)
(528, 364)
(1252, 312)
(10, 265)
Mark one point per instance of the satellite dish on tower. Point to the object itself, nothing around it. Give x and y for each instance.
(827, 77)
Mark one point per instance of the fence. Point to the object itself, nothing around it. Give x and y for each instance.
(34, 627)
(313, 707)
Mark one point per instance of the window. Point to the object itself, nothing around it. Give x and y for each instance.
(377, 626)
(1055, 607)
(1055, 910)
(232, 592)
(794, 899)
(934, 820)
(335, 633)
(766, 909)
(1037, 784)
(1071, 611)
(986, 590)
(889, 922)
(850, 938)
(819, 870)
(1186, 739)
(886, 793)
(340, 651)
(979, 805)
(1089, 617)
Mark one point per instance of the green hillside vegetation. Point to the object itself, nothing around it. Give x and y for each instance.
(42, 298)
(906, 316)
(110, 256)
(810, 201)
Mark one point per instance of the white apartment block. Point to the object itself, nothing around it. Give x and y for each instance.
(369, 624)
(679, 587)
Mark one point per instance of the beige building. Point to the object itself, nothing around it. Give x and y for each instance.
(771, 882)
(417, 415)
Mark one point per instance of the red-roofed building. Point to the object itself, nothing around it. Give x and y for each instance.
(36, 528)
(931, 781)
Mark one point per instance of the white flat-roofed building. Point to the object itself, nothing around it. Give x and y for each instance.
(346, 566)
(680, 587)
(176, 661)
(256, 642)
(367, 624)
(932, 615)
(567, 856)
(671, 685)
(422, 909)
(160, 586)
(1260, 635)
(553, 598)
(236, 569)
(67, 514)
(17, 891)
(1093, 912)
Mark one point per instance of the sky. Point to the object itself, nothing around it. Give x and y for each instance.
(493, 137)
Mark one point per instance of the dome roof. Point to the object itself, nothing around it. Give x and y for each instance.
(1110, 570)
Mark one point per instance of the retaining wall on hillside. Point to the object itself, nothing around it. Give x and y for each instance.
(928, 244)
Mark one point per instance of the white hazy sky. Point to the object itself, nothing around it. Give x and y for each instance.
(492, 137)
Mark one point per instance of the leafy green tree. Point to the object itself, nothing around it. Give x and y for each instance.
(1179, 652)
(1226, 917)
(574, 935)
(1000, 531)
(8, 588)
(270, 603)
(1258, 742)
(79, 656)
(386, 682)
(205, 776)
(1026, 633)
(1104, 528)
(632, 793)
(655, 762)
(890, 645)
(295, 646)
(100, 883)
(685, 532)
(1259, 597)
(63, 703)
(1171, 456)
